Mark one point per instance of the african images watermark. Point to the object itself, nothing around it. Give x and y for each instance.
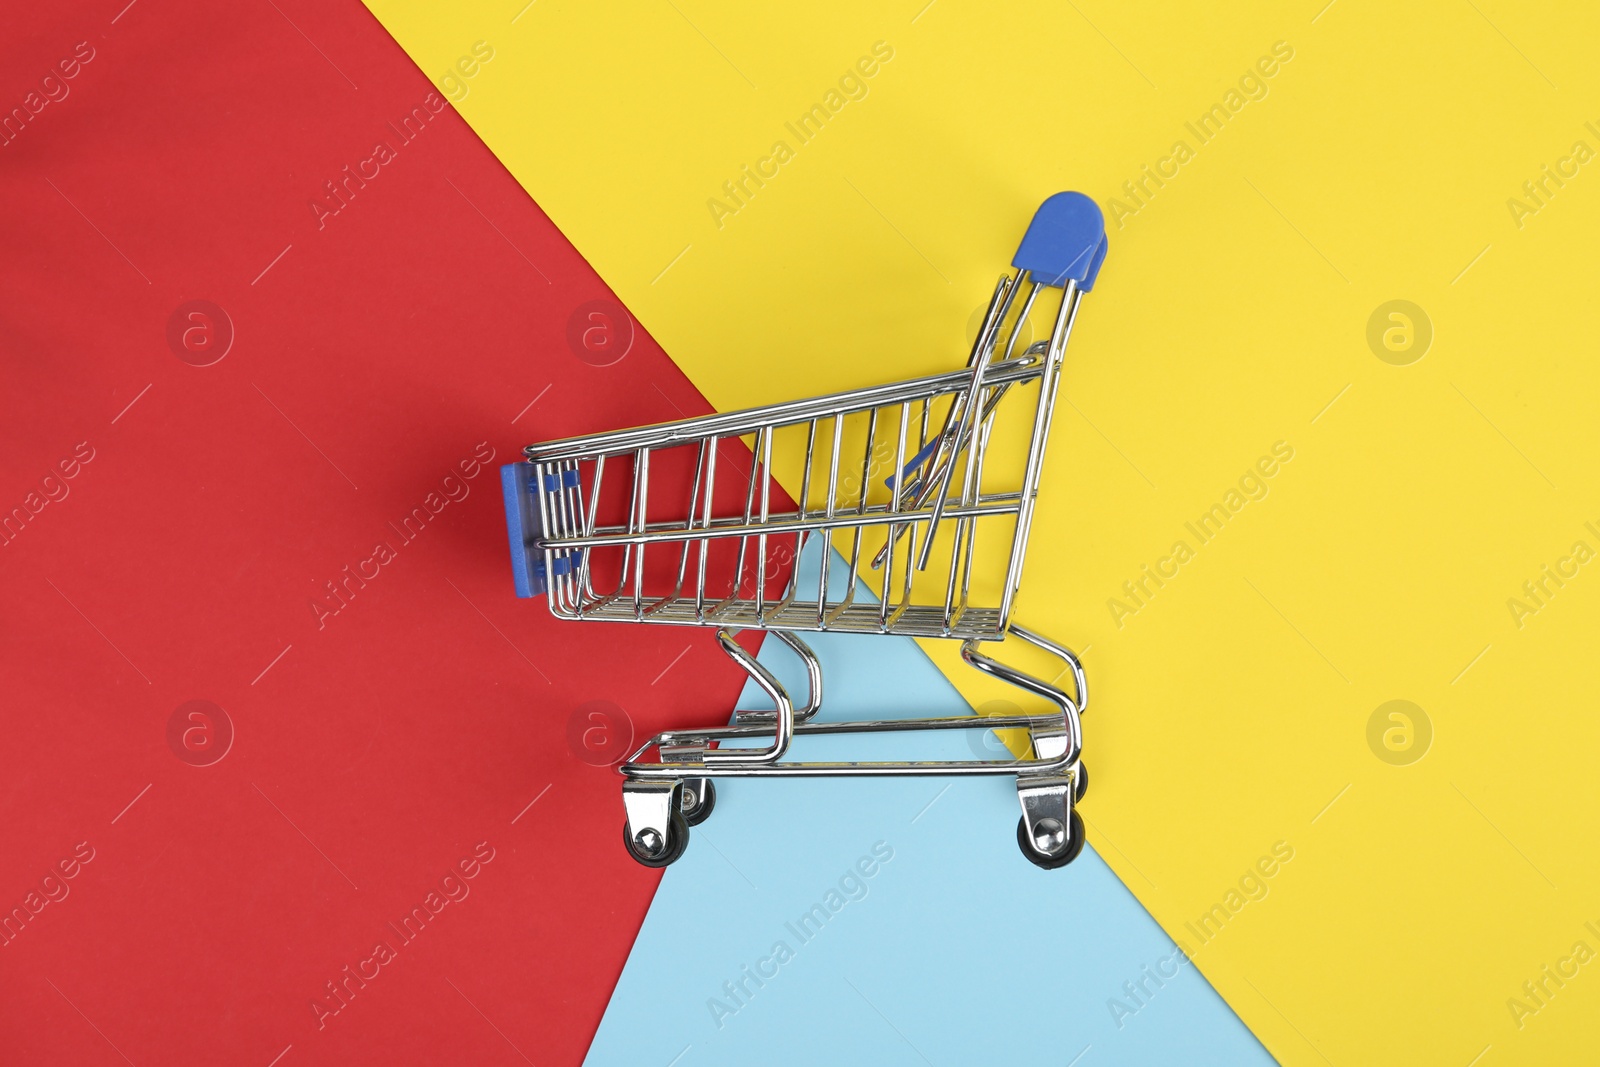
(200, 732)
(1538, 591)
(1539, 991)
(52, 889)
(453, 889)
(751, 979)
(1153, 177)
(600, 332)
(1252, 486)
(340, 591)
(1399, 732)
(1399, 332)
(456, 80)
(1251, 887)
(53, 89)
(199, 332)
(600, 733)
(53, 489)
(852, 85)
(1139, 991)
(1538, 191)
(341, 191)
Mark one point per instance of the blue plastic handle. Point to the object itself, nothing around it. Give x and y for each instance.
(518, 486)
(1066, 240)
(916, 461)
(522, 524)
(1094, 268)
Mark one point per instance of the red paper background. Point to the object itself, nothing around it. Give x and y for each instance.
(374, 748)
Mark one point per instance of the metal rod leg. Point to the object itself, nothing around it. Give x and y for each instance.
(782, 719)
(1050, 833)
(813, 680)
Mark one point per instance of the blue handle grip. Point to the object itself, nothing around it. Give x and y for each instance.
(518, 486)
(1065, 241)
(1094, 268)
(522, 524)
(916, 461)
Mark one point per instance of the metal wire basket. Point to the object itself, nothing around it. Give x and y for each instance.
(940, 543)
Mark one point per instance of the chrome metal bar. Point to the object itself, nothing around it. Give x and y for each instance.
(969, 402)
(740, 423)
(805, 477)
(973, 489)
(1022, 318)
(705, 545)
(641, 497)
(765, 463)
(783, 723)
(958, 564)
(802, 714)
(1006, 504)
(829, 509)
(910, 768)
(953, 722)
(1066, 315)
(1070, 712)
(585, 583)
(906, 620)
(861, 503)
(749, 510)
(894, 506)
(688, 523)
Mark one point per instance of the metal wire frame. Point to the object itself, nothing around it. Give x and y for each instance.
(924, 499)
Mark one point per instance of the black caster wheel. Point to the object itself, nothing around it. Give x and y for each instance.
(700, 812)
(1081, 785)
(668, 851)
(1068, 853)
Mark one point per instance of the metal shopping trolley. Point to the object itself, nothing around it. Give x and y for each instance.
(893, 479)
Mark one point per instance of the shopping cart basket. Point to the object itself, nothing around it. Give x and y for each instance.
(943, 535)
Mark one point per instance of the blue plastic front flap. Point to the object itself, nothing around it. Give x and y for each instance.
(916, 461)
(1094, 267)
(522, 525)
(1065, 240)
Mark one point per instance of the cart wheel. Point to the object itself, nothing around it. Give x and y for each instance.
(1068, 853)
(700, 812)
(1080, 785)
(669, 850)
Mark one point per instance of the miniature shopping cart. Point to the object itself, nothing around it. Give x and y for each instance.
(894, 481)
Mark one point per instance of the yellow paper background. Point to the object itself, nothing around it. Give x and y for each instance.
(1231, 710)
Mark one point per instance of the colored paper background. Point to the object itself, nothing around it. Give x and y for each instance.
(178, 522)
(896, 964)
(1358, 154)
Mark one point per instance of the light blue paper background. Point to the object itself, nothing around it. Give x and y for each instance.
(955, 951)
